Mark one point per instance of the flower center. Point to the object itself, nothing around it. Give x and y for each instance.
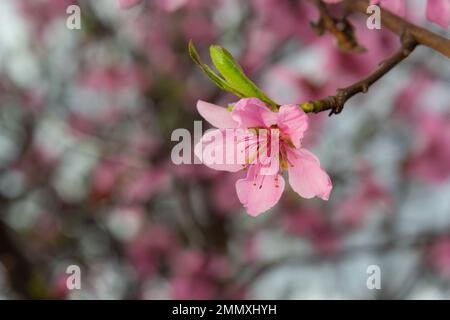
(262, 149)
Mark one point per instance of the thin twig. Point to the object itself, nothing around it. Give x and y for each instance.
(397, 25)
(340, 28)
(336, 103)
(411, 36)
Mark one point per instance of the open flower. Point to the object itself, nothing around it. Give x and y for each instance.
(239, 143)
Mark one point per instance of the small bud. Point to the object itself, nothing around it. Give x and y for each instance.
(307, 107)
(234, 79)
(221, 83)
(232, 72)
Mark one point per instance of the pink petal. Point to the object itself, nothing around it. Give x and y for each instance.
(253, 113)
(306, 176)
(293, 121)
(259, 194)
(125, 4)
(217, 153)
(438, 11)
(218, 116)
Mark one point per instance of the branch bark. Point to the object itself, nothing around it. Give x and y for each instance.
(340, 28)
(411, 36)
(397, 25)
(336, 102)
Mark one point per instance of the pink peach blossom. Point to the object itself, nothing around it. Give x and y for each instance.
(261, 190)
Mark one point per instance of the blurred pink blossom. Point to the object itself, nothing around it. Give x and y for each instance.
(141, 185)
(438, 255)
(430, 160)
(106, 176)
(366, 194)
(149, 249)
(198, 275)
(438, 11)
(114, 78)
(58, 289)
(312, 225)
(43, 12)
(407, 102)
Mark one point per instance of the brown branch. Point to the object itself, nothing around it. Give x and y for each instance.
(397, 25)
(336, 102)
(340, 28)
(411, 36)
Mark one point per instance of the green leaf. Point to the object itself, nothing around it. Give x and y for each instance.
(221, 83)
(235, 76)
(234, 79)
(194, 54)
